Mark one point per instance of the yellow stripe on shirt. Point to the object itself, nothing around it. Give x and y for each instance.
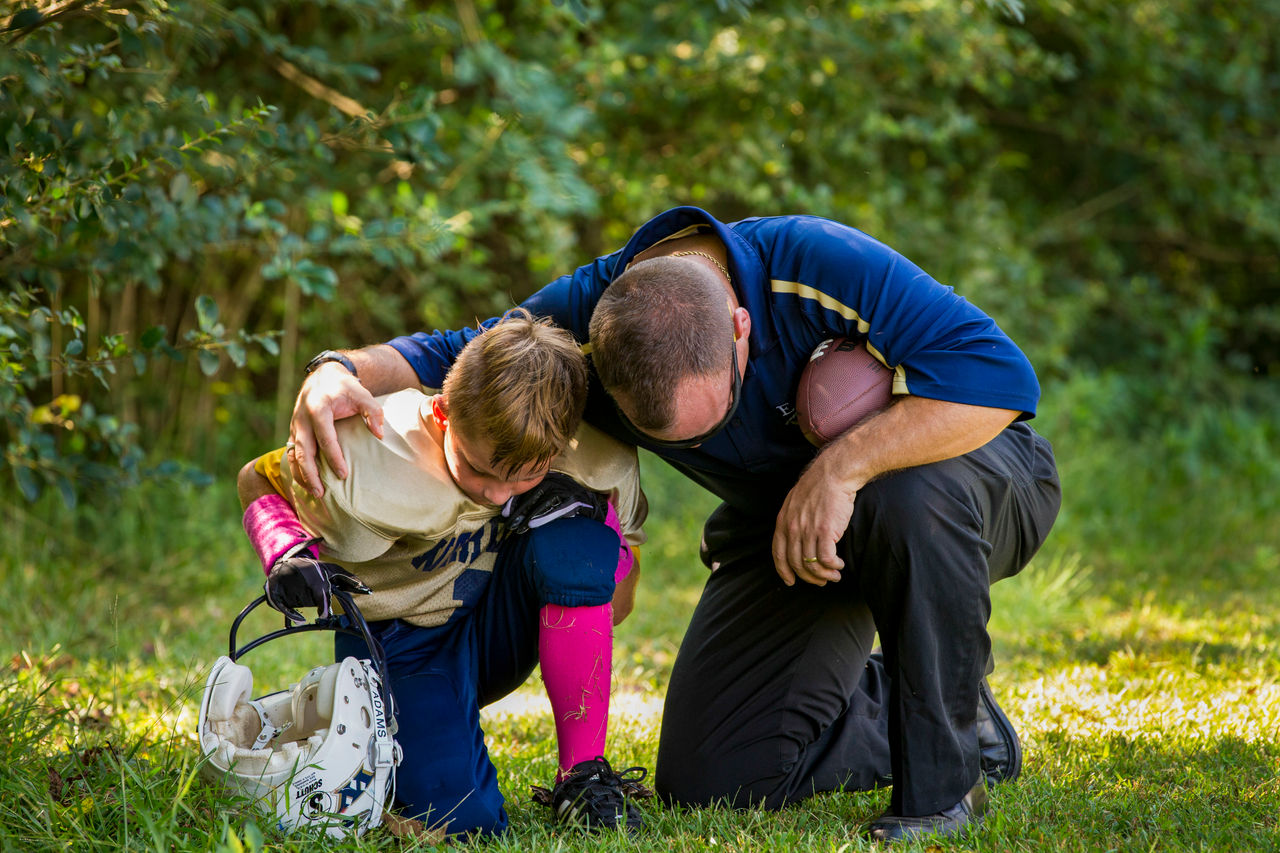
(829, 302)
(826, 300)
(269, 465)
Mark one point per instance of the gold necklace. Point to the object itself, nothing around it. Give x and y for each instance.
(711, 258)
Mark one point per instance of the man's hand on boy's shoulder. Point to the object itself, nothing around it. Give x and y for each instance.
(327, 395)
(557, 496)
(331, 392)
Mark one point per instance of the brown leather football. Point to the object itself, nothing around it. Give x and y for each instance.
(841, 385)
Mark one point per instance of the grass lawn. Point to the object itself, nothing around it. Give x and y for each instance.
(1147, 691)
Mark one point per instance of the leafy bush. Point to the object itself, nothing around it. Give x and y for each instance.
(183, 182)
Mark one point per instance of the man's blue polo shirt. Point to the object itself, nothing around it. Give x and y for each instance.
(803, 279)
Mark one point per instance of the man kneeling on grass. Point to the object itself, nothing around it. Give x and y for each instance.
(464, 599)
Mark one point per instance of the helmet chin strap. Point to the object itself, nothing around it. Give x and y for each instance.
(270, 731)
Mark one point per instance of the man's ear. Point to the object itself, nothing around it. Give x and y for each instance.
(440, 411)
(741, 323)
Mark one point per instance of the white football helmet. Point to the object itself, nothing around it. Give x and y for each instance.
(318, 756)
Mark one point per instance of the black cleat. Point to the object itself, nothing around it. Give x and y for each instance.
(595, 797)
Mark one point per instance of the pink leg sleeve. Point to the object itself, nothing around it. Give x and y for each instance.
(273, 529)
(575, 646)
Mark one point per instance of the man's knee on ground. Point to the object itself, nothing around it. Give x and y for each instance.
(698, 781)
(769, 797)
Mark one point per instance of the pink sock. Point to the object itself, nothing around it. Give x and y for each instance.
(273, 529)
(575, 646)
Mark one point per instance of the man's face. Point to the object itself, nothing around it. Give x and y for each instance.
(468, 461)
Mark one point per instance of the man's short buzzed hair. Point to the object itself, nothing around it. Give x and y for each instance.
(521, 384)
(662, 321)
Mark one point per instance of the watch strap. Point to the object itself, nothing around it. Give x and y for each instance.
(331, 355)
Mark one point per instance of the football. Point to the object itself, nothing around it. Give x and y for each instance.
(841, 385)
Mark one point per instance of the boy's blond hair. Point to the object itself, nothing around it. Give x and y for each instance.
(521, 384)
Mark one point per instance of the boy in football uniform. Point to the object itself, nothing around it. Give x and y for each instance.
(467, 525)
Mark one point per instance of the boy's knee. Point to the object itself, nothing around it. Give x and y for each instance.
(462, 821)
(250, 485)
(572, 562)
(474, 812)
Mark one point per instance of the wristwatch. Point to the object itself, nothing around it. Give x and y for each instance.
(331, 355)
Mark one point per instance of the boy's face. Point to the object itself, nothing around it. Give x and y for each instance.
(468, 461)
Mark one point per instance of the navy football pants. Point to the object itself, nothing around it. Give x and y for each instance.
(775, 695)
(441, 677)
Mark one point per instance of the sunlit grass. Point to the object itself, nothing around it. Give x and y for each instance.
(1149, 710)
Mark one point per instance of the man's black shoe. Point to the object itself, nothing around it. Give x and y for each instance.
(593, 796)
(998, 743)
(961, 817)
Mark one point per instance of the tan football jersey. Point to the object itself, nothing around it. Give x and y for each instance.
(402, 526)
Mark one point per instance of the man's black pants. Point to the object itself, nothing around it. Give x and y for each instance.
(775, 695)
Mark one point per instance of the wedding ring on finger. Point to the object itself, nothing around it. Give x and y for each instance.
(810, 559)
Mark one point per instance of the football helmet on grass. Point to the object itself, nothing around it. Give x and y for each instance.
(318, 756)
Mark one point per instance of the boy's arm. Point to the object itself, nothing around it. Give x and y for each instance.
(270, 520)
(250, 485)
(295, 576)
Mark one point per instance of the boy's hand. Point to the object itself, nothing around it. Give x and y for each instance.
(304, 581)
(557, 496)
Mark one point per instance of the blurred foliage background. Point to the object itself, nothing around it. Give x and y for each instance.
(196, 196)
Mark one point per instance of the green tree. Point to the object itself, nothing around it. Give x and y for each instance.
(196, 178)
(334, 172)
